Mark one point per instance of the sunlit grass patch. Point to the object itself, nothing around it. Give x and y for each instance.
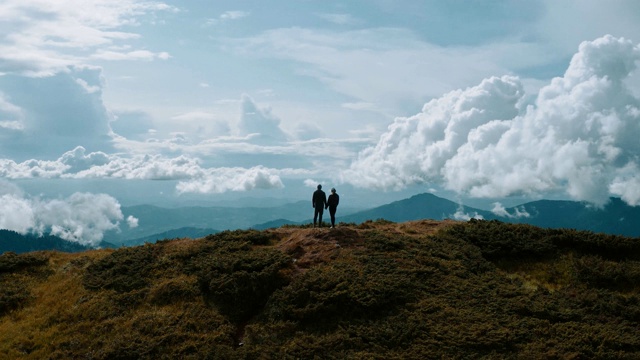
(551, 274)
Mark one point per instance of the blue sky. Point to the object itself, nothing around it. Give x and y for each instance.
(174, 102)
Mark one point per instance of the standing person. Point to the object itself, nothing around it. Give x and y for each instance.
(318, 201)
(332, 204)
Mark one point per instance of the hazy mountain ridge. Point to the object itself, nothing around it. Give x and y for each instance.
(19, 243)
(154, 219)
(543, 213)
(413, 290)
(157, 223)
(421, 206)
(616, 217)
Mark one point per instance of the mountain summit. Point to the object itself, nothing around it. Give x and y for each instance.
(379, 290)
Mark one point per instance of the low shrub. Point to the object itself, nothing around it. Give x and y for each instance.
(498, 240)
(17, 272)
(174, 290)
(341, 292)
(602, 273)
(379, 241)
(11, 262)
(124, 270)
(239, 279)
(14, 293)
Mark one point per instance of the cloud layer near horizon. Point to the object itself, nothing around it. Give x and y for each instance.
(81, 218)
(78, 164)
(579, 136)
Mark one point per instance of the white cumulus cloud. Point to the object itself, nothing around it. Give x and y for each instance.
(579, 136)
(221, 180)
(132, 221)
(81, 218)
(78, 164)
(463, 216)
(16, 213)
(519, 212)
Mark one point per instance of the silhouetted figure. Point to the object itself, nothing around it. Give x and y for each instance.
(332, 204)
(318, 201)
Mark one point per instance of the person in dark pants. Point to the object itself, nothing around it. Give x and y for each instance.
(332, 204)
(318, 201)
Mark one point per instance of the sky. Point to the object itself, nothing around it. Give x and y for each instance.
(109, 103)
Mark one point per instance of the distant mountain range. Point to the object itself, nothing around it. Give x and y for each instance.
(153, 220)
(615, 218)
(421, 206)
(157, 223)
(18, 243)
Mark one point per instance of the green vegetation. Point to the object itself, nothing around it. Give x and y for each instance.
(15, 271)
(11, 241)
(378, 290)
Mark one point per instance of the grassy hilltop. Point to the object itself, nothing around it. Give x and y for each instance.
(378, 290)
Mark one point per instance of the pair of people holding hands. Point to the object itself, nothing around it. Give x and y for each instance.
(320, 202)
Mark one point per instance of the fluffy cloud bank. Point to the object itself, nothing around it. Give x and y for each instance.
(579, 136)
(81, 218)
(78, 164)
(231, 179)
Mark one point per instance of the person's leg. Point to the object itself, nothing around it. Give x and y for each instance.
(320, 217)
(333, 217)
(315, 217)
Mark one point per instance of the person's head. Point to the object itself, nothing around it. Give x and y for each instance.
(319, 186)
(333, 190)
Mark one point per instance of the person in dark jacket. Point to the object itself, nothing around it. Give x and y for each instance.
(332, 204)
(318, 201)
